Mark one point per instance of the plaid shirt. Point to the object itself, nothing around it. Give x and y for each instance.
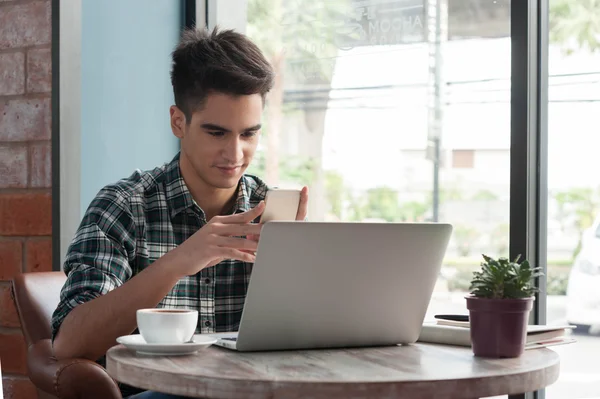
(134, 222)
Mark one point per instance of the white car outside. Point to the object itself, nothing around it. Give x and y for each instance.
(583, 290)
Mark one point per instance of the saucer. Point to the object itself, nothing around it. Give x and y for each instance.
(137, 343)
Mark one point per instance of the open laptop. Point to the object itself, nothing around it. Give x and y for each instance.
(331, 285)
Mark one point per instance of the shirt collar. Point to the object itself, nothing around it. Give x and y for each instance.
(178, 195)
(242, 203)
(180, 198)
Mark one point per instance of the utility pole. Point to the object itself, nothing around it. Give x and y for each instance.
(437, 34)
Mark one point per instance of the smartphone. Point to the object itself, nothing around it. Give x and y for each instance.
(281, 205)
(452, 317)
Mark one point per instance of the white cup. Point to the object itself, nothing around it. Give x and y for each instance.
(167, 326)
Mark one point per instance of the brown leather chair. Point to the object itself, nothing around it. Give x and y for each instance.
(36, 296)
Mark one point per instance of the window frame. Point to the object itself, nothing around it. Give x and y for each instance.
(529, 145)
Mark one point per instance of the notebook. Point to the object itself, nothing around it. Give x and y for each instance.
(457, 333)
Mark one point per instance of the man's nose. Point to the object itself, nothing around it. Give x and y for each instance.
(233, 150)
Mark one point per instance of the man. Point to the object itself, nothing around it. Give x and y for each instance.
(184, 234)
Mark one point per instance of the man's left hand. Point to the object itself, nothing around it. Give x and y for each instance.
(302, 210)
(303, 206)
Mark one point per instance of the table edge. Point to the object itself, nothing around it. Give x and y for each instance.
(224, 386)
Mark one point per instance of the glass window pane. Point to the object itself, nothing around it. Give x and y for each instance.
(371, 104)
(574, 192)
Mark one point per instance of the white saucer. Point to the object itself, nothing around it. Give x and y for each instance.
(137, 343)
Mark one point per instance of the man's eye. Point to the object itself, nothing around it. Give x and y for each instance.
(217, 134)
(249, 134)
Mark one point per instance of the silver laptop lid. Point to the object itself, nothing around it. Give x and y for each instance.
(317, 285)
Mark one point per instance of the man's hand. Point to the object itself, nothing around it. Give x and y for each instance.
(300, 215)
(303, 206)
(221, 238)
(114, 313)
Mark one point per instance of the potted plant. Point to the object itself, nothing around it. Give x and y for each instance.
(501, 297)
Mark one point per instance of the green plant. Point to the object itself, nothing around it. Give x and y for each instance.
(574, 24)
(502, 279)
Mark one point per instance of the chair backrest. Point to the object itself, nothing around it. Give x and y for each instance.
(1, 388)
(36, 297)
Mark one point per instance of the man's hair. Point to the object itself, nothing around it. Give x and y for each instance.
(222, 61)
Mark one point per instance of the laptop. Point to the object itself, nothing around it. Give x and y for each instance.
(334, 285)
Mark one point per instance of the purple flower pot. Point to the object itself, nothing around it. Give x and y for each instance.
(498, 326)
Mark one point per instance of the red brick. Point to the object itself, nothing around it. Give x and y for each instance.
(25, 24)
(23, 120)
(41, 164)
(19, 388)
(38, 255)
(13, 352)
(26, 214)
(12, 73)
(11, 258)
(13, 166)
(8, 310)
(39, 71)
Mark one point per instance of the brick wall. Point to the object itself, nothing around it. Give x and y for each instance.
(25, 169)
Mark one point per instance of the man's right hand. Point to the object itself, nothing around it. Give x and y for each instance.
(221, 238)
(115, 312)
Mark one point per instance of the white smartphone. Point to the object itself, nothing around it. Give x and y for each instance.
(281, 205)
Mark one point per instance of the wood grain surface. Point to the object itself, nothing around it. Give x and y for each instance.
(413, 371)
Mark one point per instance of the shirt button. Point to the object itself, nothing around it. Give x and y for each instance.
(207, 281)
(207, 323)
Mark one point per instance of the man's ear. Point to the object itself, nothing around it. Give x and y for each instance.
(178, 121)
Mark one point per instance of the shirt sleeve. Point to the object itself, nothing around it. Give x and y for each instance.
(100, 256)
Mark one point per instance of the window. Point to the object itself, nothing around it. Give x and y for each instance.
(371, 94)
(371, 105)
(573, 278)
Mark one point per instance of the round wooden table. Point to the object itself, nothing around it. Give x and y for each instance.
(413, 371)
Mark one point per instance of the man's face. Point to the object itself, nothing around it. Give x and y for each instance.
(221, 138)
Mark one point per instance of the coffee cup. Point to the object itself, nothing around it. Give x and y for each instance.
(167, 326)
